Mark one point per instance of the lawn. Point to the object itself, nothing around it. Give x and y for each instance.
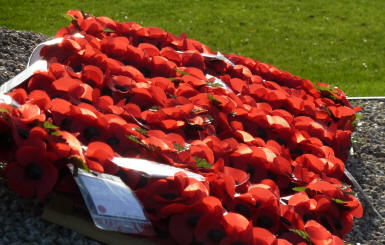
(336, 42)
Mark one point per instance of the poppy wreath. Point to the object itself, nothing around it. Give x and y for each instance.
(270, 145)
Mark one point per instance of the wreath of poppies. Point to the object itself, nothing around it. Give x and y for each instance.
(270, 145)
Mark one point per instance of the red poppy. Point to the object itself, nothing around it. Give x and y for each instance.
(319, 235)
(101, 153)
(179, 189)
(239, 230)
(66, 145)
(185, 219)
(92, 75)
(209, 232)
(170, 54)
(32, 175)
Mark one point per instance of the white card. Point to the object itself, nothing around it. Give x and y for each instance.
(112, 204)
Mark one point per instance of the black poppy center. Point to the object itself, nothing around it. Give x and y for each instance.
(250, 170)
(192, 221)
(261, 133)
(337, 224)
(216, 235)
(78, 68)
(296, 151)
(33, 171)
(307, 217)
(169, 196)
(146, 72)
(90, 132)
(238, 243)
(23, 133)
(325, 223)
(106, 91)
(6, 140)
(112, 141)
(265, 222)
(141, 182)
(284, 220)
(121, 88)
(242, 209)
(66, 124)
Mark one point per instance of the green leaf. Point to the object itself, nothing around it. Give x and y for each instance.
(214, 100)
(108, 30)
(55, 133)
(180, 148)
(182, 72)
(4, 110)
(50, 128)
(339, 201)
(357, 118)
(142, 131)
(67, 17)
(172, 79)
(48, 125)
(328, 111)
(328, 92)
(300, 188)
(78, 163)
(202, 163)
(302, 234)
(134, 139)
(349, 193)
(214, 84)
(329, 89)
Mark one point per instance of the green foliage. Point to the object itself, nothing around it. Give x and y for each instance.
(300, 188)
(214, 100)
(134, 139)
(142, 131)
(78, 163)
(339, 201)
(51, 128)
(202, 163)
(214, 84)
(182, 72)
(338, 42)
(4, 110)
(180, 148)
(302, 234)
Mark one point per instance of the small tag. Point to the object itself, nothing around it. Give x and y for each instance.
(112, 204)
(217, 80)
(218, 56)
(153, 169)
(6, 99)
(40, 65)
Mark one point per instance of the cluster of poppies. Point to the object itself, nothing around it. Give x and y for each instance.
(270, 145)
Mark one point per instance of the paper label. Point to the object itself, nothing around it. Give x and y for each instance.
(113, 197)
(217, 80)
(112, 204)
(153, 169)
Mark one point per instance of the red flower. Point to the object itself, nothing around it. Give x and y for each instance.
(188, 218)
(102, 154)
(239, 230)
(179, 189)
(319, 235)
(32, 175)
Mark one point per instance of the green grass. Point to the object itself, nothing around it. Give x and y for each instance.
(335, 42)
